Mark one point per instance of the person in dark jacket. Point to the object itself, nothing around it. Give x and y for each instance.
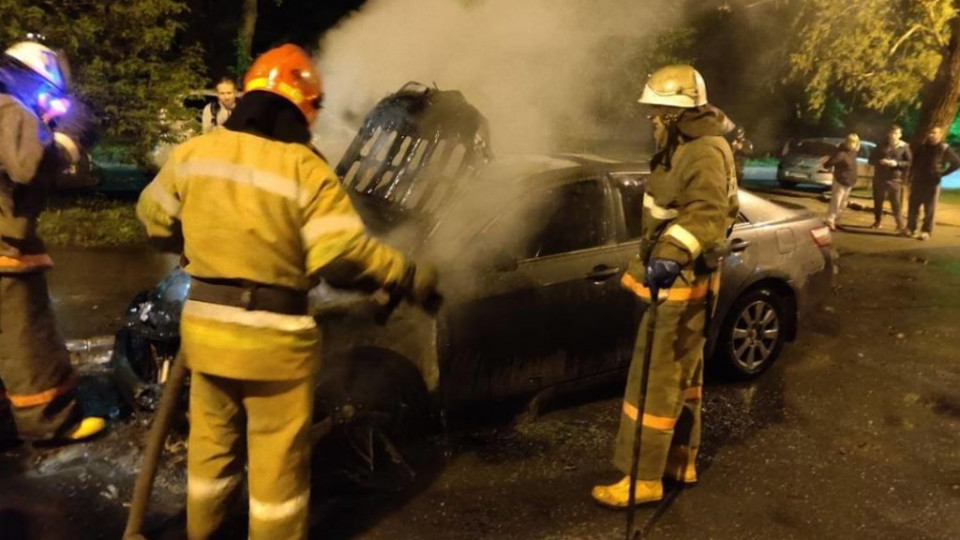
(890, 160)
(742, 149)
(844, 164)
(933, 161)
(34, 364)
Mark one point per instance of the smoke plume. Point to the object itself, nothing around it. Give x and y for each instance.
(546, 73)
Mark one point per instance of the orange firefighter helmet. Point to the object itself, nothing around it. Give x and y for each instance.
(288, 72)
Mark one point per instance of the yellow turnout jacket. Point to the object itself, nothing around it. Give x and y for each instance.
(263, 211)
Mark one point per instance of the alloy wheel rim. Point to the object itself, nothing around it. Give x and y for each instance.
(755, 336)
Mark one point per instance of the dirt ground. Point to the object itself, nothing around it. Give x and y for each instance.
(853, 433)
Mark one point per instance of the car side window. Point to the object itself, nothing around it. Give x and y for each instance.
(574, 219)
(630, 189)
(864, 152)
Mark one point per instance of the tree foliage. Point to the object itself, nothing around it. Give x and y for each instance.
(880, 52)
(126, 63)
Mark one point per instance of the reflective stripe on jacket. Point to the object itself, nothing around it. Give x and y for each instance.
(687, 211)
(27, 169)
(264, 211)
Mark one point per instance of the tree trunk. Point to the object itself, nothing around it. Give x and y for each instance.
(942, 94)
(248, 25)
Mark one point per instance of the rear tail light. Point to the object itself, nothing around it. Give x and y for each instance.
(821, 236)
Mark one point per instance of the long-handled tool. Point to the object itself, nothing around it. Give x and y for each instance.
(641, 401)
(151, 455)
(167, 408)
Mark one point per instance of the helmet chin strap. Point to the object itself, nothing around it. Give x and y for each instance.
(668, 138)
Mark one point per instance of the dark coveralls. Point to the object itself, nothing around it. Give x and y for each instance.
(689, 206)
(888, 181)
(928, 169)
(38, 381)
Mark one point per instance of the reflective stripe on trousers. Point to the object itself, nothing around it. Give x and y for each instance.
(272, 419)
(674, 391)
(34, 364)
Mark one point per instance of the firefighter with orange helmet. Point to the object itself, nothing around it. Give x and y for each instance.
(261, 218)
(34, 364)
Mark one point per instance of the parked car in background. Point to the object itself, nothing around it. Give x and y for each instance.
(802, 162)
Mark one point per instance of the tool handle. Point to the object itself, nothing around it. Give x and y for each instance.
(641, 405)
(151, 454)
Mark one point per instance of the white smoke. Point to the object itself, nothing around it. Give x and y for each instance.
(534, 68)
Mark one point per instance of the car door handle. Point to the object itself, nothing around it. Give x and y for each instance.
(602, 272)
(739, 244)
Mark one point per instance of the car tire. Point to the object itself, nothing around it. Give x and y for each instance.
(383, 444)
(753, 333)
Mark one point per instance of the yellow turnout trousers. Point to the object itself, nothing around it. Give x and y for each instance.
(275, 418)
(671, 417)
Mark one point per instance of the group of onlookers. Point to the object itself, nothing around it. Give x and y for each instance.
(894, 165)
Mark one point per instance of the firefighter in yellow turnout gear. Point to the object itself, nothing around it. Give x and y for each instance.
(262, 218)
(690, 204)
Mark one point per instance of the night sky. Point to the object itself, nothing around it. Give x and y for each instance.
(214, 24)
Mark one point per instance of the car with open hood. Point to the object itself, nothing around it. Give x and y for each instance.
(530, 250)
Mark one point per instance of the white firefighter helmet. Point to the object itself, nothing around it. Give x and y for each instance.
(43, 61)
(675, 86)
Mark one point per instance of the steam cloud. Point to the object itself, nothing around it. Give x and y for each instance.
(535, 68)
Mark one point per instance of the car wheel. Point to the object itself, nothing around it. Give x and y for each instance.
(381, 418)
(753, 333)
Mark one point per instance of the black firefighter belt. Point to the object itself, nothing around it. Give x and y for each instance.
(249, 295)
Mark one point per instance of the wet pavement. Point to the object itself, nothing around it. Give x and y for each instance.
(853, 433)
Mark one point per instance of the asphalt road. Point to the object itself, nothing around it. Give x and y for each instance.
(853, 434)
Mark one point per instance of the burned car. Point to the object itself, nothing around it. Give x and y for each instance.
(530, 250)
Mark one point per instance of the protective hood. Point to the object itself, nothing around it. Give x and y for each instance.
(270, 116)
(703, 122)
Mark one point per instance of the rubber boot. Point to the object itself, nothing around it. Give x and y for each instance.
(681, 465)
(618, 495)
(88, 427)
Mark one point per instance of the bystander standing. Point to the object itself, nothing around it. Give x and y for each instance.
(216, 113)
(934, 160)
(844, 164)
(890, 160)
(742, 149)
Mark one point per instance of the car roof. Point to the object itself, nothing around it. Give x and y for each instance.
(833, 140)
(559, 169)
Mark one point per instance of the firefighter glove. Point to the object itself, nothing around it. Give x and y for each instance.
(69, 149)
(661, 273)
(419, 285)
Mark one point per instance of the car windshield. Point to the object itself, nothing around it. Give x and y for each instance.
(813, 147)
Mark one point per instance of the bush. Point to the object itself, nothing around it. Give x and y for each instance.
(90, 220)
